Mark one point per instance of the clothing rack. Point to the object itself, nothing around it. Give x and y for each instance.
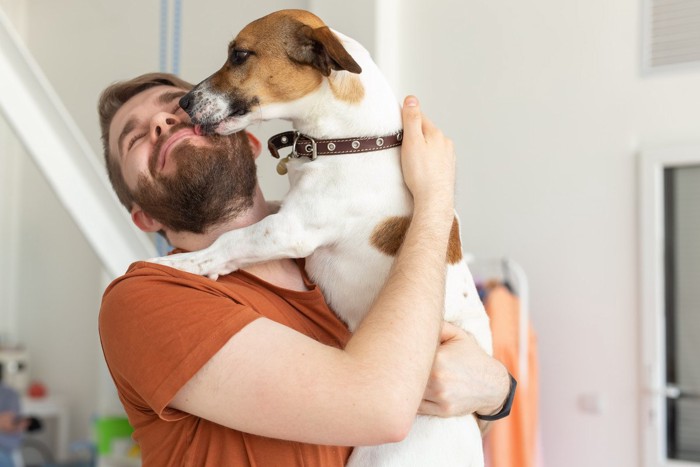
(512, 275)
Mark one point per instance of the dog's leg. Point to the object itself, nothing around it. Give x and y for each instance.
(276, 236)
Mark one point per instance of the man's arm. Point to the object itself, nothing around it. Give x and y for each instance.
(272, 381)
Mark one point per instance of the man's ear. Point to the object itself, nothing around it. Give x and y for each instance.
(254, 144)
(143, 221)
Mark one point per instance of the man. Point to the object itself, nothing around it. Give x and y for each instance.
(220, 373)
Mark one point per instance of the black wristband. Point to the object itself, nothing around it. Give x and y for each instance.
(507, 405)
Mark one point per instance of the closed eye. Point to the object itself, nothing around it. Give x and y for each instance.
(133, 140)
(137, 137)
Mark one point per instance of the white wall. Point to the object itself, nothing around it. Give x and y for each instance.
(548, 110)
(9, 170)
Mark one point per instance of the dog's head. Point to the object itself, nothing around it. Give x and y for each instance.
(276, 59)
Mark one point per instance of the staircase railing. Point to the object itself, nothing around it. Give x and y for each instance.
(35, 113)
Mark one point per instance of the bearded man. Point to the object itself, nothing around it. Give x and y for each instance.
(254, 368)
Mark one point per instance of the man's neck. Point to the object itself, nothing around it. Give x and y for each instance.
(282, 273)
(190, 241)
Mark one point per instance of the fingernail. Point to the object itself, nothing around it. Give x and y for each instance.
(411, 101)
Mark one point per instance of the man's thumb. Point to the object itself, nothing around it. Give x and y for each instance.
(411, 116)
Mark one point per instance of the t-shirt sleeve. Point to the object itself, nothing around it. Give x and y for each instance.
(159, 327)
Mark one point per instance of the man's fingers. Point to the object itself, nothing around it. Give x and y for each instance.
(412, 118)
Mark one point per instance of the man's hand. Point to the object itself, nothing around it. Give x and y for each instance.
(464, 378)
(427, 159)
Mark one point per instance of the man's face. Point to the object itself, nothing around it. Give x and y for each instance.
(186, 181)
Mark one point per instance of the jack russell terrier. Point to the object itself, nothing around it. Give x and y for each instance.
(347, 208)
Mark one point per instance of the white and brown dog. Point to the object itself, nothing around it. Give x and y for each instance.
(347, 208)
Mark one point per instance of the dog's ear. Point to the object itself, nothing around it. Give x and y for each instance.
(321, 49)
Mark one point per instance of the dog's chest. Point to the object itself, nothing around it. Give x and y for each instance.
(350, 273)
(352, 196)
(355, 179)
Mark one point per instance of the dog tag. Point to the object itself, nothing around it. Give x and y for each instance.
(282, 166)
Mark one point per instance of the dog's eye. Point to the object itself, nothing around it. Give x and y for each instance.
(239, 56)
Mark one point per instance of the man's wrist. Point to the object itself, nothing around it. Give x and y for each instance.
(505, 407)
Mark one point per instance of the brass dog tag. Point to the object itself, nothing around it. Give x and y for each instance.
(282, 166)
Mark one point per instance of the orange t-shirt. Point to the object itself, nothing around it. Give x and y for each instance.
(159, 326)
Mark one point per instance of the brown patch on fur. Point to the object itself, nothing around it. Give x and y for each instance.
(285, 64)
(454, 248)
(274, 78)
(388, 237)
(348, 89)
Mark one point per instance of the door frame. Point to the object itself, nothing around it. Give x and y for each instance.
(653, 161)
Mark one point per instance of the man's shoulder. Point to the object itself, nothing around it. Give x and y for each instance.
(146, 268)
(148, 291)
(141, 272)
(146, 283)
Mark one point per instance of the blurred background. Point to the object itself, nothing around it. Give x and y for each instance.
(568, 123)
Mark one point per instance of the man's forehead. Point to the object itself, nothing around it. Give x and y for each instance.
(150, 96)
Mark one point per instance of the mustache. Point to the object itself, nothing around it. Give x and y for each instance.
(153, 159)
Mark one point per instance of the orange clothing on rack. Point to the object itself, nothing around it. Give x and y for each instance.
(513, 441)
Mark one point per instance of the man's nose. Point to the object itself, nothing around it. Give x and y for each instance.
(161, 123)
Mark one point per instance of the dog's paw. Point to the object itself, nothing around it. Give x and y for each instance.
(197, 263)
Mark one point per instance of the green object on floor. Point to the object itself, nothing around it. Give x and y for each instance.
(109, 428)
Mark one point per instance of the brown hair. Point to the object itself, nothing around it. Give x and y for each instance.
(110, 102)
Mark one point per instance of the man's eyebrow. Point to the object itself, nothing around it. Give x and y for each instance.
(170, 96)
(128, 128)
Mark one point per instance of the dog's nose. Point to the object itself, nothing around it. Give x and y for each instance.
(186, 102)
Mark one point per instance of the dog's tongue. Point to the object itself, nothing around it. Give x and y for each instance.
(198, 130)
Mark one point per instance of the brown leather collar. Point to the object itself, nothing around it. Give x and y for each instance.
(306, 146)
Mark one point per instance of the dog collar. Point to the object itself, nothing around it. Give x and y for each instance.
(306, 146)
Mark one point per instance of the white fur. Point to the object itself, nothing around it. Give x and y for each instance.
(333, 205)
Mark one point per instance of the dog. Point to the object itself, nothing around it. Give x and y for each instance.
(347, 208)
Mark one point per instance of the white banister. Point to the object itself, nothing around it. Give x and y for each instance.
(49, 134)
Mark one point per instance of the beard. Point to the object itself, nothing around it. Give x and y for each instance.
(211, 184)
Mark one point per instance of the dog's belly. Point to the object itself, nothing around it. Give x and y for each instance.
(351, 272)
(433, 441)
(348, 269)
(350, 275)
